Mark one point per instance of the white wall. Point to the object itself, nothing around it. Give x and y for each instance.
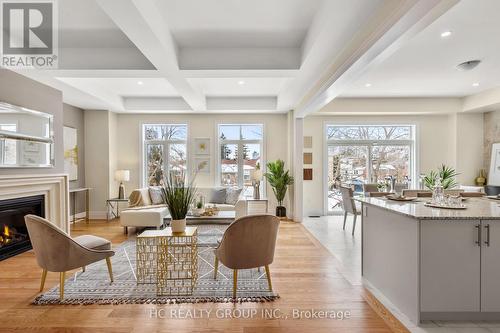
(129, 145)
(433, 147)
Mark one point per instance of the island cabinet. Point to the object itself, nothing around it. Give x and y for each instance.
(460, 266)
(433, 264)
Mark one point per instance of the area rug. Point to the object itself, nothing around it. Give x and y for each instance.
(93, 285)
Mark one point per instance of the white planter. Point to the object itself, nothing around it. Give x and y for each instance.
(178, 225)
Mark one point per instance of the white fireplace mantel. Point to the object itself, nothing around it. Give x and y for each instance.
(54, 187)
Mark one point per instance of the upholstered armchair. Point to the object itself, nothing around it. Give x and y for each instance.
(249, 242)
(56, 251)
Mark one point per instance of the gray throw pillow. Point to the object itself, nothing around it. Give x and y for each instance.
(232, 196)
(156, 195)
(218, 195)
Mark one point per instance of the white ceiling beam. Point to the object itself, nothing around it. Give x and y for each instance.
(144, 25)
(104, 73)
(388, 30)
(155, 103)
(94, 98)
(488, 100)
(242, 73)
(242, 103)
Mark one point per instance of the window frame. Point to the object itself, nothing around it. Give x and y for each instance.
(166, 149)
(240, 143)
(412, 143)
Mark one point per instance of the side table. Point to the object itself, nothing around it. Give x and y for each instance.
(111, 206)
(257, 206)
(169, 260)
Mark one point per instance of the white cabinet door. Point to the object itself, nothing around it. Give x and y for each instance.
(490, 267)
(450, 266)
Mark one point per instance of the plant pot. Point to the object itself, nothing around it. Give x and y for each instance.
(178, 225)
(281, 211)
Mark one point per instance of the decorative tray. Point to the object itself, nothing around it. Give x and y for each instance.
(494, 197)
(391, 197)
(428, 204)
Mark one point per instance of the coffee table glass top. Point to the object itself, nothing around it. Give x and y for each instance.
(167, 232)
(222, 215)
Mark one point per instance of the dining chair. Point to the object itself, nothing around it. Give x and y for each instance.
(56, 251)
(378, 194)
(349, 205)
(248, 242)
(472, 194)
(370, 187)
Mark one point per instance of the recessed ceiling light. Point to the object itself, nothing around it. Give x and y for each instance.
(241, 82)
(140, 83)
(445, 34)
(368, 85)
(475, 84)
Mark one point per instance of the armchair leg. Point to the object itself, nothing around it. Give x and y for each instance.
(268, 274)
(110, 269)
(42, 283)
(235, 282)
(216, 267)
(83, 269)
(61, 285)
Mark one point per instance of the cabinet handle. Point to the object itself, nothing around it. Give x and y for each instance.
(487, 241)
(478, 242)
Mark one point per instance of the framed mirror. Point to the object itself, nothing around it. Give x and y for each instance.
(26, 138)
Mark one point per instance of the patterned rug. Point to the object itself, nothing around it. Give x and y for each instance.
(93, 285)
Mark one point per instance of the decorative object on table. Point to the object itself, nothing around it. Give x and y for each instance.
(199, 206)
(308, 158)
(445, 174)
(308, 141)
(279, 180)
(308, 174)
(122, 176)
(211, 211)
(70, 136)
(179, 196)
(400, 197)
(438, 192)
(256, 176)
(202, 146)
(202, 165)
(382, 186)
(481, 179)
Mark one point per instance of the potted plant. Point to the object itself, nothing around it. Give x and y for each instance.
(445, 174)
(279, 180)
(198, 207)
(179, 196)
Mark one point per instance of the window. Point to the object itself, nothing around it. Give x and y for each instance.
(8, 147)
(368, 154)
(240, 151)
(165, 151)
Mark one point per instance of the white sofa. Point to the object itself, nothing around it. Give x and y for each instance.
(142, 213)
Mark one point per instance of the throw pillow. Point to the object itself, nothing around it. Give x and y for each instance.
(232, 196)
(156, 195)
(218, 196)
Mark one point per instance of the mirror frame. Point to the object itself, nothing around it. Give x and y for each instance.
(30, 138)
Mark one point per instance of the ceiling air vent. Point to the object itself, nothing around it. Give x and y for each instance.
(468, 65)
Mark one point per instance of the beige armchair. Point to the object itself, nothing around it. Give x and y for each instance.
(248, 242)
(56, 251)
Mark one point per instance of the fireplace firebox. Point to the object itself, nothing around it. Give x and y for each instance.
(14, 238)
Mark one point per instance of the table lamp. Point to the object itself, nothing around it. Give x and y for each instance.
(122, 176)
(256, 177)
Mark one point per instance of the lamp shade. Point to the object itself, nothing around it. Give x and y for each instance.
(256, 175)
(122, 175)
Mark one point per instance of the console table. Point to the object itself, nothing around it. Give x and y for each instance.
(73, 192)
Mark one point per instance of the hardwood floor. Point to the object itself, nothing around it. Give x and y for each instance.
(304, 273)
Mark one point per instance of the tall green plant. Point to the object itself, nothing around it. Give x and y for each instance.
(178, 195)
(279, 179)
(445, 173)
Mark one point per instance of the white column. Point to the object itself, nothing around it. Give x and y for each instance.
(298, 148)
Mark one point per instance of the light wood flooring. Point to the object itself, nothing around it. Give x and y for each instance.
(304, 273)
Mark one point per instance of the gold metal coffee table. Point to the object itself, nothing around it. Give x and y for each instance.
(169, 260)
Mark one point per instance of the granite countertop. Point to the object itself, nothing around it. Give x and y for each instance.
(477, 208)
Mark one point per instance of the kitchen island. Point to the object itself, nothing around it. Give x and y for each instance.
(433, 263)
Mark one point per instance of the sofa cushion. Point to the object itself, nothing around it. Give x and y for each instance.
(218, 195)
(147, 217)
(139, 197)
(156, 194)
(232, 195)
